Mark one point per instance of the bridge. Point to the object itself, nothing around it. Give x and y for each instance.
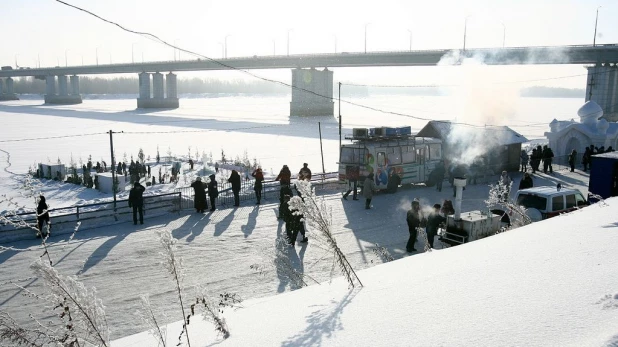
(602, 74)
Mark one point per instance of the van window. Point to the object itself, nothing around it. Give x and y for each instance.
(579, 200)
(409, 155)
(532, 201)
(395, 156)
(351, 155)
(435, 151)
(381, 159)
(557, 203)
(570, 201)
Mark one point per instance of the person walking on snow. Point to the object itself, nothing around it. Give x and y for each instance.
(433, 223)
(304, 173)
(235, 181)
(572, 158)
(369, 187)
(136, 201)
(524, 160)
(42, 216)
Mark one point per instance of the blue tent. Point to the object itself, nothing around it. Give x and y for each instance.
(604, 175)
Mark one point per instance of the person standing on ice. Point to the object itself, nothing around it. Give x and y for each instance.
(136, 201)
(572, 158)
(42, 216)
(414, 218)
(216, 167)
(213, 191)
(235, 181)
(259, 178)
(199, 193)
(369, 187)
(524, 160)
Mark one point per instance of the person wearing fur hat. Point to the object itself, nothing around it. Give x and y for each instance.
(199, 193)
(136, 201)
(213, 191)
(369, 187)
(259, 178)
(42, 216)
(235, 181)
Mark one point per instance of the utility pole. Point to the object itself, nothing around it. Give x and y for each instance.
(340, 122)
(114, 185)
(594, 40)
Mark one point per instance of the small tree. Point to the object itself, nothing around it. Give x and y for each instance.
(158, 156)
(140, 155)
(223, 160)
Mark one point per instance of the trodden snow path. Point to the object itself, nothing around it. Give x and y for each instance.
(123, 261)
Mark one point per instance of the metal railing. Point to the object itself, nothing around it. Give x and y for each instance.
(65, 219)
(270, 190)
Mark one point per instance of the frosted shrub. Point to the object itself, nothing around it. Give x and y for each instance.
(319, 219)
(173, 265)
(213, 310)
(517, 214)
(382, 253)
(81, 311)
(147, 316)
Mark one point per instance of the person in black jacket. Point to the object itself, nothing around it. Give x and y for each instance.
(437, 175)
(526, 182)
(136, 200)
(42, 216)
(213, 191)
(257, 187)
(433, 223)
(199, 193)
(414, 218)
(235, 181)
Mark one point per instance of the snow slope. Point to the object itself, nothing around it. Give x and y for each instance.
(553, 283)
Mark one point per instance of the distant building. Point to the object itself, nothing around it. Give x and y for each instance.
(499, 147)
(565, 136)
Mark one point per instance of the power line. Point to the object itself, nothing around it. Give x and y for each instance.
(52, 137)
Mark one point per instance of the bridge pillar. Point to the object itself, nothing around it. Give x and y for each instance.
(158, 99)
(7, 93)
(74, 85)
(602, 88)
(312, 93)
(63, 97)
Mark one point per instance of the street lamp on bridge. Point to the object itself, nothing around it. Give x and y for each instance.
(410, 31)
(366, 36)
(288, 46)
(16, 66)
(66, 58)
(594, 40)
(225, 40)
(503, 34)
(465, 29)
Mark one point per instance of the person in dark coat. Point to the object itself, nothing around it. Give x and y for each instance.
(393, 182)
(293, 223)
(413, 218)
(259, 178)
(572, 158)
(304, 173)
(199, 193)
(284, 176)
(433, 223)
(42, 216)
(524, 160)
(283, 192)
(213, 191)
(548, 156)
(235, 181)
(190, 164)
(526, 182)
(136, 201)
(586, 159)
(438, 175)
(369, 187)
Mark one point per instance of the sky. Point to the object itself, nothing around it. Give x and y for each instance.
(49, 33)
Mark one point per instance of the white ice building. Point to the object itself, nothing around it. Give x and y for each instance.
(564, 136)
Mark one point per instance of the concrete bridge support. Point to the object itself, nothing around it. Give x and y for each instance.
(6, 92)
(602, 87)
(158, 99)
(312, 93)
(62, 97)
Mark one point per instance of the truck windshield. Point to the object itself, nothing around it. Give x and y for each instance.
(532, 201)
